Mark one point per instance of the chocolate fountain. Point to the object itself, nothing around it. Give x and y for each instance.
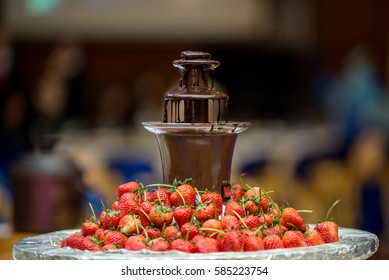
(195, 138)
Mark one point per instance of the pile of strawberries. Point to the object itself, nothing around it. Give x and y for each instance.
(162, 217)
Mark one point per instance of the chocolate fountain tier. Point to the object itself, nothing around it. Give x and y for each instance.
(201, 151)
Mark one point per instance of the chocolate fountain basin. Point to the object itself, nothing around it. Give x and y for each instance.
(200, 151)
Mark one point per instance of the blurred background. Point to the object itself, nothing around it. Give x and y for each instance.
(78, 77)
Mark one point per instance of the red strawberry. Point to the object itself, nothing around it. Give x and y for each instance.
(234, 208)
(266, 219)
(127, 187)
(88, 244)
(237, 191)
(253, 193)
(232, 241)
(207, 245)
(253, 243)
(183, 246)
(109, 219)
(230, 222)
(182, 214)
(272, 242)
(144, 210)
(214, 198)
(251, 232)
(161, 215)
(159, 244)
(328, 231)
(146, 196)
(171, 232)
(188, 231)
(151, 232)
(291, 219)
(251, 207)
(100, 234)
(211, 227)
(73, 241)
(313, 235)
(277, 230)
(184, 194)
(135, 243)
(251, 221)
(89, 228)
(128, 205)
(161, 196)
(115, 237)
(108, 247)
(115, 205)
(293, 239)
(130, 224)
(205, 211)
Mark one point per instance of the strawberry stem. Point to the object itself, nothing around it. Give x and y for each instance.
(331, 208)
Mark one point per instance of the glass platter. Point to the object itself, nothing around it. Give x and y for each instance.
(354, 244)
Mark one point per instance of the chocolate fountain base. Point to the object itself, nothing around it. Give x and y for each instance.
(354, 244)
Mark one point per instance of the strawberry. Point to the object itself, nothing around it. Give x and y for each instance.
(211, 227)
(251, 207)
(232, 241)
(234, 208)
(146, 196)
(88, 244)
(183, 246)
(251, 232)
(135, 243)
(266, 220)
(182, 214)
(115, 237)
(159, 244)
(151, 232)
(115, 205)
(183, 194)
(73, 241)
(230, 222)
(252, 193)
(144, 210)
(293, 239)
(127, 187)
(237, 191)
(207, 245)
(272, 242)
(109, 219)
(188, 231)
(251, 221)
(89, 227)
(291, 219)
(214, 198)
(100, 234)
(130, 224)
(205, 211)
(170, 233)
(277, 230)
(128, 205)
(161, 215)
(253, 243)
(108, 247)
(314, 236)
(161, 196)
(328, 230)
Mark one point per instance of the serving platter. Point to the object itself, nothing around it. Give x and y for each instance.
(354, 244)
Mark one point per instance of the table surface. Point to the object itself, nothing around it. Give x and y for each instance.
(7, 243)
